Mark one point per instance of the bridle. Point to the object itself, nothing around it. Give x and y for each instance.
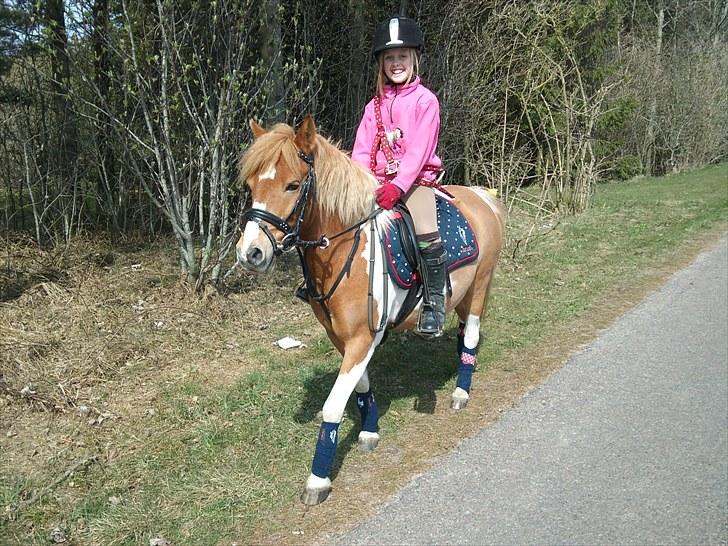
(292, 235)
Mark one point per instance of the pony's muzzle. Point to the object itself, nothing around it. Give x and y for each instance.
(254, 251)
(254, 258)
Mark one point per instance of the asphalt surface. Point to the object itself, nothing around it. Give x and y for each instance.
(626, 444)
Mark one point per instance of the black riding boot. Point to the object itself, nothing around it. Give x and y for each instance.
(433, 268)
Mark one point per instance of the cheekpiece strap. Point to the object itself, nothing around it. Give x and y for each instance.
(306, 158)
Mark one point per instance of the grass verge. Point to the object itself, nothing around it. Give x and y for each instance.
(197, 429)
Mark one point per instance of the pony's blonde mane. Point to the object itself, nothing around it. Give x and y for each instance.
(343, 187)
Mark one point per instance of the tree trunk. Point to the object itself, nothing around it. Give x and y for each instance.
(107, 191)
(719, 19)
(272, 44)
(650, 156)
(63, 154)
(403, 5)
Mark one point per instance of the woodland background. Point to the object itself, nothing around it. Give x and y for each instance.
(125, 118)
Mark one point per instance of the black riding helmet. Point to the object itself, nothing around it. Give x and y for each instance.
(397, 32)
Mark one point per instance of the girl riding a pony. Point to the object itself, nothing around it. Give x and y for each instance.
(302, 187)
(397, 140)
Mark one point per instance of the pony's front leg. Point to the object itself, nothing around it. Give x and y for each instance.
(468, 339)
(369, 434)
(353, 368)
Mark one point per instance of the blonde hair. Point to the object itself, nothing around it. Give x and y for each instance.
(382, 77)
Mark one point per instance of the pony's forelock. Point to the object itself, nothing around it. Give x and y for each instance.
(344, 188)
(267, 150)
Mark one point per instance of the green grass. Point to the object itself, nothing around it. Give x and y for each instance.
(629, 225)
(222, 461)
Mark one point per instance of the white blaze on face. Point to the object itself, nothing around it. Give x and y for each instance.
(252, 229)
(270, 174)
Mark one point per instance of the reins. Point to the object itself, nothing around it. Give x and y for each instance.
(313, 294)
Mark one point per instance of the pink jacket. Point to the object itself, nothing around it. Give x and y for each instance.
(415, 112)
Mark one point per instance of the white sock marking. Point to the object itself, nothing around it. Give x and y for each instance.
(335, 404)
(472, 331)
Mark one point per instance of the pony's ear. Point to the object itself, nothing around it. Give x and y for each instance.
(306, 135)
(257, 129)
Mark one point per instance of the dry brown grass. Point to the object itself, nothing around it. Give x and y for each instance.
(91, 336)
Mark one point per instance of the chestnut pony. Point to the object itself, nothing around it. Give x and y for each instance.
(309, 195)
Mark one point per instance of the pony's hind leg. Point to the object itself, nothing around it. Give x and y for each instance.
(467, 350)
(369, 434)
(470, 309)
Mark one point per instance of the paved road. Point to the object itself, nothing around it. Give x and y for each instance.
(626, 444)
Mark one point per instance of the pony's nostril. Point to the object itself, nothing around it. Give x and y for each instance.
(254, 256)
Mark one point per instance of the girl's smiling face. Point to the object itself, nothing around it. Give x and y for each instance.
(397, 64)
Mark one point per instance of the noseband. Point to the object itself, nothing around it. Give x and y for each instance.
(291, 235)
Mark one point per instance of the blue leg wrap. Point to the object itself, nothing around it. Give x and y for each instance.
(368, 410)
(461, 337)
(466, 367)
(323, 459)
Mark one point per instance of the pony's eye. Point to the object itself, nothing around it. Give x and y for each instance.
(293, 186)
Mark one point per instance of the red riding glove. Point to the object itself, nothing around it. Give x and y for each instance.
(387, 195)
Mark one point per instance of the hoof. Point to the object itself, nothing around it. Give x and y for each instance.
(368, 440)
(317, 490)
(459, 399)
(312, 497)
(458, 403)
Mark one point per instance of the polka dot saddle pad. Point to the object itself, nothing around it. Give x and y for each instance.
(456, 234)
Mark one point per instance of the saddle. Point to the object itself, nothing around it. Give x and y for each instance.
(402, 253)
